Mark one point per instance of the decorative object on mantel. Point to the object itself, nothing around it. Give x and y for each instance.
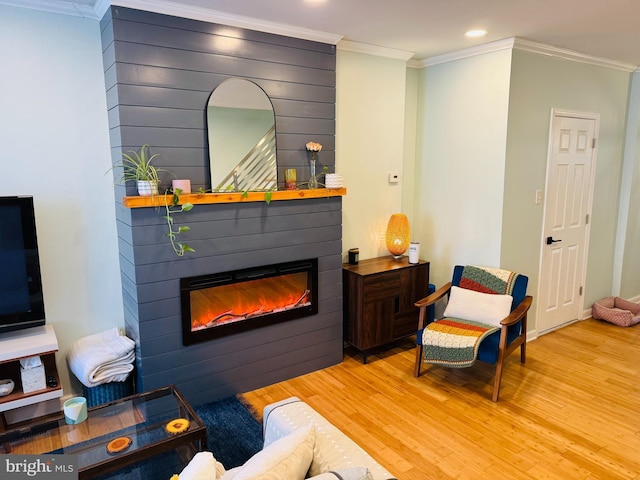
(183, 185)
(138, 167)
(314, 148)
(398, 235)
(290, 179)
(333, 180)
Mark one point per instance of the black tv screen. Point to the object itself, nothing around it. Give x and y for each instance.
(21, 299)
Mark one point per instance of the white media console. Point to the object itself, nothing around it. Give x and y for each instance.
(14, 346)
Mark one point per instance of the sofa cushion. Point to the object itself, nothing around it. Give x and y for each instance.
(287, 458)
(333, 449)
(203, 466)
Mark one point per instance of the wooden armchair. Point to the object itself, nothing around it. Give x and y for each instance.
(485, 319)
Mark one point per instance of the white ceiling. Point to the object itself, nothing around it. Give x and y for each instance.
(607, 29)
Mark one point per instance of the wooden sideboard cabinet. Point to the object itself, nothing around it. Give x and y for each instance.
(379, 296)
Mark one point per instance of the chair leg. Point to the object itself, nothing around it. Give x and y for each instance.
(523, 351)
(502, 354)
(496, 381)
(416, 370)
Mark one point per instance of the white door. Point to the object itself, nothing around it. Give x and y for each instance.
(572, 153)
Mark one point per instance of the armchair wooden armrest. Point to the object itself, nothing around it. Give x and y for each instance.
(434, 297)
(430, 300)
(519, 312)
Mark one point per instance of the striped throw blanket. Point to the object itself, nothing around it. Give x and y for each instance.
(454, 342)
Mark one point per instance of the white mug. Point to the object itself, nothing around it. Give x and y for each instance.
(75, 410)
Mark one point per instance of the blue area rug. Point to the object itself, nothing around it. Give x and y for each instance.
(233, 435)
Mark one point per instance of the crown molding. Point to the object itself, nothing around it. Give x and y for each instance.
(213, 16)
(490, 47)
(528, 46)
(357, 47)
(168, 7)
(55, 6)
(550, 50)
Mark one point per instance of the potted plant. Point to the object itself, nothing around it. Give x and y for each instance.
(137, 166)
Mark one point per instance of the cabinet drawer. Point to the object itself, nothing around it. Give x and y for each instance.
(380, 287)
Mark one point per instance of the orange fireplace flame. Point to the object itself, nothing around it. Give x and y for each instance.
(226, 304)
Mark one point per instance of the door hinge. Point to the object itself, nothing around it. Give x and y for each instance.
(593, 142)
(580, 291)
(587, 220)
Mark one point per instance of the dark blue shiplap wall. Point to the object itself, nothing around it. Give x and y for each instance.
(160, 71)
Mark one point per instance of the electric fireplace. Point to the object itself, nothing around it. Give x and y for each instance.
(227, 303)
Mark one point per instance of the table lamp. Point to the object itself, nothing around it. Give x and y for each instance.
(398, 235)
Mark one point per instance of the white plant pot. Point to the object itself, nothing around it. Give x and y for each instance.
(147, 188)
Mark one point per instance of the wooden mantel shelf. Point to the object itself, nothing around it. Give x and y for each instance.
(233, 197)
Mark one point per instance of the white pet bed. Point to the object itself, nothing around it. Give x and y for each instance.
(617, 310)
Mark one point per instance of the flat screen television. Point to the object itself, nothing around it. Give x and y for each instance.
(21, 299)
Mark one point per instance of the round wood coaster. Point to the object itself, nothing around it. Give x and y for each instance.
(177, 426)
(118, 444)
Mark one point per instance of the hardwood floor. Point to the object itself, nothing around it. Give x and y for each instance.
(572, 411)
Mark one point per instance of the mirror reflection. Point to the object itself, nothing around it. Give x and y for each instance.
(242, 137)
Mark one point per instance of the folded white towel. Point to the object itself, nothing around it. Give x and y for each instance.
(102, 358)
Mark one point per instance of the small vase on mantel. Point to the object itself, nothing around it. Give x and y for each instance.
(313, 181)
(313, 148)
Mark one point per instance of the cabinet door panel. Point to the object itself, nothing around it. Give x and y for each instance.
(405, 325)
(378, 323)
(414, 285)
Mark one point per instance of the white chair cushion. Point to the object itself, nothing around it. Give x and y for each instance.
(480, 307)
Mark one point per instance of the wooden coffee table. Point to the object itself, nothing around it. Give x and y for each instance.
(139, 422)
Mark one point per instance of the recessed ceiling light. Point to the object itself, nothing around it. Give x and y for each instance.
(476, 33)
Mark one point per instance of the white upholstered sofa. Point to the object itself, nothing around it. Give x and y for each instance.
(298, 443)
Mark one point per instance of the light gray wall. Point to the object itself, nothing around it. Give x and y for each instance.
(483, 125)
(627, 267)
(54, 145)
(538, 84)
(370, 136)
(462, 129)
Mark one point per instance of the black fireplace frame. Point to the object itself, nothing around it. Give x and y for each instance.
(190, 284)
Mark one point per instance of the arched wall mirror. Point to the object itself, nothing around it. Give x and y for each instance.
(242, 137)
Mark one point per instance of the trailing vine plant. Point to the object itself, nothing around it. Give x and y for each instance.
(171, 209)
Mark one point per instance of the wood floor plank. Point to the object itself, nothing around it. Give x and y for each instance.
(572, 411)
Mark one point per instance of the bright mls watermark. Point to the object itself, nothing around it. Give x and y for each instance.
(49, 467)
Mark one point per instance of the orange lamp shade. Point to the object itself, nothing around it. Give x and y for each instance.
(398, 234)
